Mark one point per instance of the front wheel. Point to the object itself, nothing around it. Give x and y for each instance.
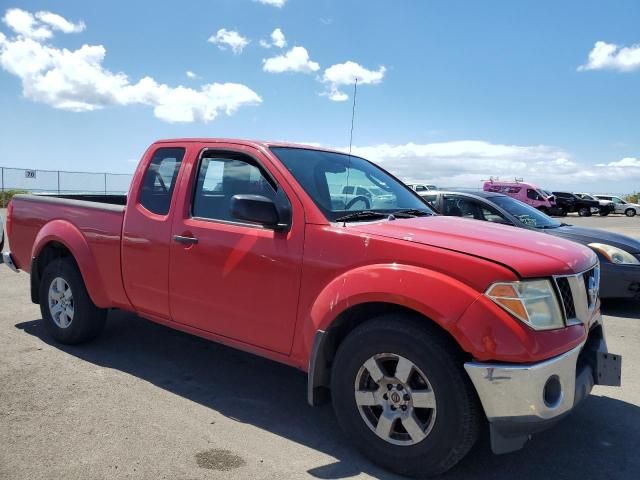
(584, 212)
(400, 393)
(630, 212)
(68, 313)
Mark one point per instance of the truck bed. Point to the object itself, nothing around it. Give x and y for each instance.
(92, 226)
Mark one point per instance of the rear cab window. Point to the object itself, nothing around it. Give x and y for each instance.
(159, 180)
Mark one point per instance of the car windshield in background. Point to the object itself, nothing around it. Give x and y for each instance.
(342, 185)
(526, 214)
(584, 196)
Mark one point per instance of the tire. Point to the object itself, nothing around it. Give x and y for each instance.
(451, 428)
(81, 320)
(363, 200)
(603, 213)
(544, 210)
(584, 212)
(630, 212)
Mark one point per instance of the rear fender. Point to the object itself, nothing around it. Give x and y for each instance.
(71, 237)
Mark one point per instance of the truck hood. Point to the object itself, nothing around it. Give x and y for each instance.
(528, 253)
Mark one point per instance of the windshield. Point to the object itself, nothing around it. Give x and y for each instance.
(585, 196)
(526, 214)
(327, 178)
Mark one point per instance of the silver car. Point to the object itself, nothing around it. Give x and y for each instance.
(621, 206)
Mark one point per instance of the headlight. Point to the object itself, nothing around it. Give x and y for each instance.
(534, 302)
(614, 254)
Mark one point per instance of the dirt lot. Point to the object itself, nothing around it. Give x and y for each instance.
(144, 401)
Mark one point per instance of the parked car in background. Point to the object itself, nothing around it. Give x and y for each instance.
(621, 206)
(421, 188)
(605, 207)
(354, 197)
(619, 255)
(525, 192)
(570, 203)
(419, 329)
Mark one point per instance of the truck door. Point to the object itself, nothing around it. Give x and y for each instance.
(146, 234)
(231, 277)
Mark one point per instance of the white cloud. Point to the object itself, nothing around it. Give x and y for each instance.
(277, 40)
(57, 22)
(273, 3)
(76, 80)
(342, 74)
(295, 60)
(465, 163)
(627, 162)
(609, 56)
(24, 24)
(192, 75)
(229, 38)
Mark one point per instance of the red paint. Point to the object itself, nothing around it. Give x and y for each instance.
(268, 292)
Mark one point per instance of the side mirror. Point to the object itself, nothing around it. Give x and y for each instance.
(255, 208)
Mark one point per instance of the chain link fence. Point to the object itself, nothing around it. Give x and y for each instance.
(21, 180)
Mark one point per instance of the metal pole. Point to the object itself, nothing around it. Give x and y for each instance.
(2, 183)
(105, 183)
(58, 182)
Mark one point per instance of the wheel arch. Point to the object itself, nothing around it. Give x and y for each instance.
(326, 342)
(61, 239)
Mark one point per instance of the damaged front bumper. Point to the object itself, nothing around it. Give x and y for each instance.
(522, 399)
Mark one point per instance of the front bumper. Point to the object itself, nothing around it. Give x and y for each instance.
(522, 399)
(619, 281)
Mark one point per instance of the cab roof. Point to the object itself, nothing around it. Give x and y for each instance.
(250, 143)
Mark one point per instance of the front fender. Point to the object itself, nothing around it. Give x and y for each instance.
(71, 237)
(433, 294)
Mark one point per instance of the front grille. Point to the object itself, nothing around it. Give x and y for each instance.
(579, 294)
(567, 297)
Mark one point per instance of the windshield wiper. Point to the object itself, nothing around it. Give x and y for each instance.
(547, 227)
(362, 215)
(411, 212)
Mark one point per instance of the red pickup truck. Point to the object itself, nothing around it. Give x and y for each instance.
(419, 328)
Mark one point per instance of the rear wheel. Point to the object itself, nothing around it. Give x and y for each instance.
(630, 212)
(603, 212)
(400, 393)
(68, 313)
(584, 212)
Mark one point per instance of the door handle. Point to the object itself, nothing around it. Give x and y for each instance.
(185, 240)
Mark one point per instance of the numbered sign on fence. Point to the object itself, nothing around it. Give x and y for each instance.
(29, 174)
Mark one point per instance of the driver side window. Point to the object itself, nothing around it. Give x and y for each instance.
(222, 177)
(533, 195)
(160, 179)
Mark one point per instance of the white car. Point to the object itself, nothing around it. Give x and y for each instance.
(421, 189)
(621, 206)
(357, 197)
(606, 206)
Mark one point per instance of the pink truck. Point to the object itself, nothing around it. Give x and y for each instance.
(528, 193)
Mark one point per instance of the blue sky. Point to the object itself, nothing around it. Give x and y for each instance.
(450, 92)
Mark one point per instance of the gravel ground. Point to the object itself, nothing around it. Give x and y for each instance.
(144, 401)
